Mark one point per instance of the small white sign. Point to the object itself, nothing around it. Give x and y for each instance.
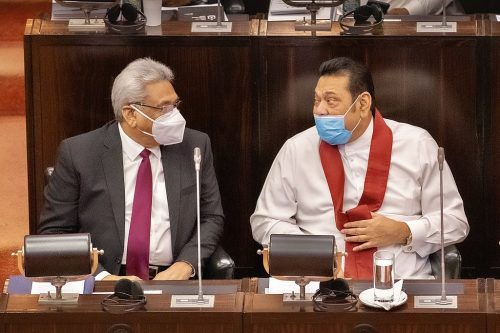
(433, 302)
(211, 27)
(436, 27)
(79, 24)
(192, 301)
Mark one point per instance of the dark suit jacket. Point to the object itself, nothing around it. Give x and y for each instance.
(86, 193)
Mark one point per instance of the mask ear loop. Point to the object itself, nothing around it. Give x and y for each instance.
(359, 121)
(142, 113)
(145, 116)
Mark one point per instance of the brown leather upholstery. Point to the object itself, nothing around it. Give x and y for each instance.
(452, 262)
(57, 255)
(301, 255)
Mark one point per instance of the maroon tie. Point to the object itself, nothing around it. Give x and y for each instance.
(140, 223)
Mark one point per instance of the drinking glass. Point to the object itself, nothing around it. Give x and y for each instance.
(383, 276)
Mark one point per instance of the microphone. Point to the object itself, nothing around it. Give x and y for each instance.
(442, 301)
(440, 157)
(127, 289)
(190, 301)
(197, 162)
(197, 158)
(128, 296)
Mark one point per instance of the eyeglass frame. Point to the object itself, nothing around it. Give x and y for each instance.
(162, 108)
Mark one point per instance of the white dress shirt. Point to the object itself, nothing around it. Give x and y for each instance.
(424, 7)
(160, 244)
(295, 198)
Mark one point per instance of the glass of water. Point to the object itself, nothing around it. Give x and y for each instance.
(383, 276)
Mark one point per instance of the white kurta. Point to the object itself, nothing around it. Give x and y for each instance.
(295, 198)
(424, 7)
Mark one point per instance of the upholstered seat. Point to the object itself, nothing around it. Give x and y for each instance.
(452, 262)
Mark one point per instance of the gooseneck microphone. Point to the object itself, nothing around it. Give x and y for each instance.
(436, 301)
(197, 165)
(197, 158)
(440, 157)
(200, 300)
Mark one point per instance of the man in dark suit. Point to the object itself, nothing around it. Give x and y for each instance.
(131, 184)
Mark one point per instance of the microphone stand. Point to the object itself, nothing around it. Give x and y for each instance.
(443, 27)
(435, 301)
(197, 162)
(443, 300)
(210, 27)
(193, 301)
(444, 24)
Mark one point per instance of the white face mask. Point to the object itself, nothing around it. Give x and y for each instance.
(168, 129)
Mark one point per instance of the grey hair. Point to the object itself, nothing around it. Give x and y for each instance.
(130, 85)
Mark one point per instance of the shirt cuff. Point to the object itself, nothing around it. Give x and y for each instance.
(418, 231)
(102, 275)
(414, 8)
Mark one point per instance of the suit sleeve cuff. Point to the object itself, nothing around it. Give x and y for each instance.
(193, 271)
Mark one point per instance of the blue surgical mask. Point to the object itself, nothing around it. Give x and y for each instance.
(331, 128)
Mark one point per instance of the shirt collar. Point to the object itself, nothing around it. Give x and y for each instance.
(132, 149)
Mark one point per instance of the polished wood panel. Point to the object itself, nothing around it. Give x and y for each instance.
(267, 313)
(478, 311)
(432, 83)
(492, 124)
(494, 305)
(252, 89)
(69, 79)
(24, 314)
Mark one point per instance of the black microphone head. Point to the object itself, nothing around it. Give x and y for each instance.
(129, 12)
(377, 13)
(339, 286)
(113, 13)
(136, 290)
(123, 288)
(384, 6)
(362, 13)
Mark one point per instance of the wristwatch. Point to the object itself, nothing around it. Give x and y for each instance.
(409, 239)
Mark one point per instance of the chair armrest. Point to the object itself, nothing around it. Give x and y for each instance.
(48, 173)
(234, 6)
(452, 262)
(219, 266)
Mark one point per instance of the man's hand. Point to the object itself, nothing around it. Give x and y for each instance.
(376, 232)
(398, 11)
(178, 271)
(117, 277)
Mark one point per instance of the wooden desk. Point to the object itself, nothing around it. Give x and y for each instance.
(267, 313)
(253, 312)
(22, 313)
(493, 305)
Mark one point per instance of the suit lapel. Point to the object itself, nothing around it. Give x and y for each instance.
(172, 167)
(112, 161)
